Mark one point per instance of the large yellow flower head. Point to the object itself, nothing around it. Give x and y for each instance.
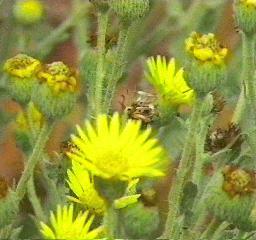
(169, 83)
(81, 183)
(205, 48)
(113, 150)
(65, 226)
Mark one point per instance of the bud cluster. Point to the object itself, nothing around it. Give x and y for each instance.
(53, 87)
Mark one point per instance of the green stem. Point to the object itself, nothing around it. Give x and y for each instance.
(100, 72)
(32, 161)
(117, 68)
(210, 229)
(200, 146)
(32, 195)
(176, 192)
(240, 107)
(247, 97)
(111, 223)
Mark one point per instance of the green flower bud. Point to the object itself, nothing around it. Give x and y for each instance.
(140, 222)
(130, 10)
(56, 92)
(245, 15)
(206, 67)
(28, 11)
(232, 197)
(21, 74)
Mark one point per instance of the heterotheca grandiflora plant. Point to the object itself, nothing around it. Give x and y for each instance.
(106, 181)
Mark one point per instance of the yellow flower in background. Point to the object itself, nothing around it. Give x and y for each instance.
(22, 66)
(65, 226)
(115, 150)
(28, 11)
(35, 115)
(169, 83)
(81, 183)
(58, 77)
(206, 48)
(249, 3)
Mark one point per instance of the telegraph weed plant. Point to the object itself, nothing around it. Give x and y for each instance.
(131, 119)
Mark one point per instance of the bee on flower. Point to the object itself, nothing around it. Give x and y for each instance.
(64, 225)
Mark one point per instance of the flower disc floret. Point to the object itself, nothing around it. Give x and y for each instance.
(20, 78)
(113, 150)
(59, 77)
(169, 82)
(22, 66)
(205, 48)
(65, 226)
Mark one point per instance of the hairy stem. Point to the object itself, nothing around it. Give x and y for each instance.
(111, 223)
(33, 198)
(117, 68)
(247, 87)
(100, 72)
(33, 160)
(182, 173)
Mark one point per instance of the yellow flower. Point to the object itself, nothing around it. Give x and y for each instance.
(249, 3)
(65, 226)
(206, 48)
(113, 150)
(81, 183)
(22, 66)
(170, 84)
(28, 11)
(58, 77)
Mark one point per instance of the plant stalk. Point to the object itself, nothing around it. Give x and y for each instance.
(100, 72)
(33, 198)
(111, 222)
(117, 68)
(33, 160)
(176, 192)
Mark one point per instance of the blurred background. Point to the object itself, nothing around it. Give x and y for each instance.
(160, 34)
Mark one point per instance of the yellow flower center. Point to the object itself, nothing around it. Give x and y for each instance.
(22, 66)
(111, 161)
(206, 48)
(59, 77)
